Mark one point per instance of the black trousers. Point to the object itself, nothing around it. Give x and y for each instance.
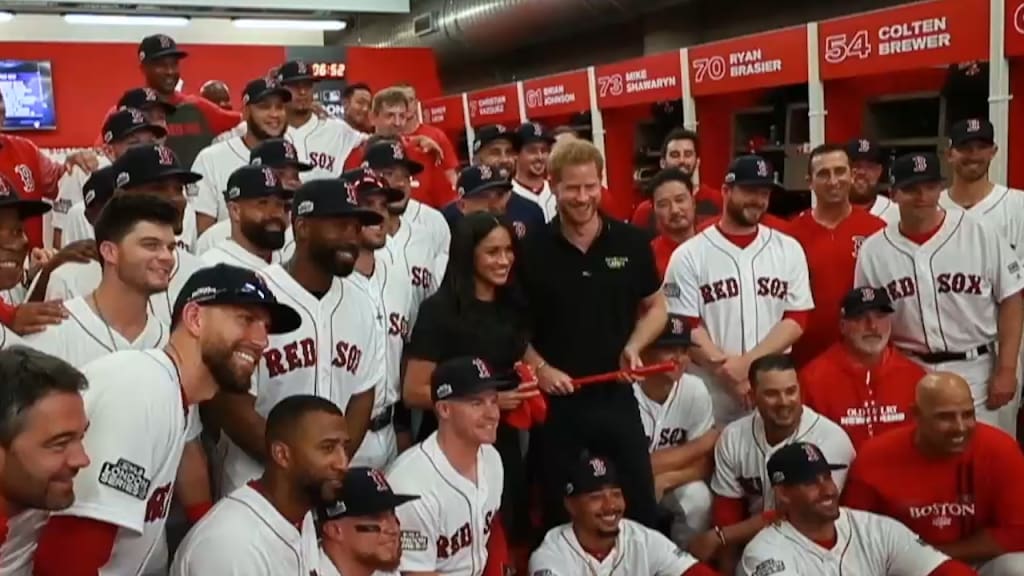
(604, 420)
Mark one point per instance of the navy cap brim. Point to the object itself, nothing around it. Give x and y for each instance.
(391, 195)
(866, 307)
(496, 384)
(759, 183)
(177, 53)
(281, 91)
(182, 174)
(26, 208)
(503, 186)
(672, 342)
(411, 166)
(524, 140)
(299, 78)
(810, 475)
(157, 130)
(264, 193)
(918, 179)
(365, 216)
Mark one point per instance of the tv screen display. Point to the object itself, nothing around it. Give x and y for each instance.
(27, 87)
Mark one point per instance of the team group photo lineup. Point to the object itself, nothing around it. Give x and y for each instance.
(289, 328)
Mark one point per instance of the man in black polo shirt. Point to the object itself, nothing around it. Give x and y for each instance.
(595, 301)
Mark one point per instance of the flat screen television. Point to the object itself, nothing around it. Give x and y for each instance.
(27, 87)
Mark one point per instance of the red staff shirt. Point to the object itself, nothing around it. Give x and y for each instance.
(33, 175)
(430, 186)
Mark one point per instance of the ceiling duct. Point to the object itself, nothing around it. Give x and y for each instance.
(487, 27)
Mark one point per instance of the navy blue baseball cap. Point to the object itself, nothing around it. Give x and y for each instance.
(799, 463)
(466, 376)
(916, 168)
(388, 154)
(364, 492)
(26, 208)
(251, 182)
(675, 334)
(866, 298)
(476, 180)
(143, 98)
(277, 153)
(99, 187)
(294, 71)
(972, 130)
(158, 46)
(530, 132)
(864, 150)
(752, 171)
(262, 88)
(224, 284)
(127, 121)
(148, 163)
(590, 474)
(331, 198)
(367, 183)
(492, 132)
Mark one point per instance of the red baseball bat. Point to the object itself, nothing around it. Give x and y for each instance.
(624, 374)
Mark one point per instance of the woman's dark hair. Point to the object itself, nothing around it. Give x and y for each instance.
(460, 278)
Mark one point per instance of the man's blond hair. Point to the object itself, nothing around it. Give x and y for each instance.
(573, 153)
(391, 96)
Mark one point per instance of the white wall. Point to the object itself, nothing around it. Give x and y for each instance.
(52, 28)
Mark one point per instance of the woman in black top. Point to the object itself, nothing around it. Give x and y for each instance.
(477, 311)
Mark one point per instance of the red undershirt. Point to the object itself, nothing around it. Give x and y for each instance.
(827, 544)
(923, 237)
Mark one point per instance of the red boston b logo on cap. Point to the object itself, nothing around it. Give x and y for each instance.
(380, 481)
(812, 453)
(762, 168)
(350, 191)
(397, 151)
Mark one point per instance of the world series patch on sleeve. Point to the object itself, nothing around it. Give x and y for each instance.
(413, 541)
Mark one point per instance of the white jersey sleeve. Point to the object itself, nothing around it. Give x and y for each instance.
(208, 200)
(908, 554)
(697, 415)
(1005, 268)
(49, 341)
(799, 294)
(681, 288)
(664, 557)
(761, 558)
(420, 529)
(725, 481)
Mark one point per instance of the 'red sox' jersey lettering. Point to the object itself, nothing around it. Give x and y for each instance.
(302, 354)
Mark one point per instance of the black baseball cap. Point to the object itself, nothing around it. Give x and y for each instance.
(916, 168)
(26, 208)
(487, 134)
(476, 180)
(143, 98)
(158, 46)
(277, 153)
(675, 334)
(364, 492)
(864, 150)
(860, 300)
(752, 171)
(590, 474)
(388, 154)
(798, 463)
(99, 187)
(466, 376)
(530, 132)
(251, 182)
(225, 284)
(972, 130)
(127, 121)
(294, 71)
(331, 198)
(367, 183)
(148, 163)
(262, 88)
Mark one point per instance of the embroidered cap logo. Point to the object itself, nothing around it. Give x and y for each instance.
(867, 294)
(397, 152)
(350, 192)
(974, 125)
(481, 367)
(165, 156)
(813, 455)
(920, 164)
(380, 481)
(289, 150)
(599, 467)
(863, 146)
(762, 168)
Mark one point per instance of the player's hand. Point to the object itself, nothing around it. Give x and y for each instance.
(553, 381)
(704, 546)
(320, 111)
(87, 160)
(33, 317)
(629, 361)
(733, 370)
(512, 399)
(1001, 388)
(40, 256)
(429, 146)
(81, 251)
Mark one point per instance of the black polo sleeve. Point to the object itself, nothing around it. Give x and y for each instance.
(648, 281)
(430, 334)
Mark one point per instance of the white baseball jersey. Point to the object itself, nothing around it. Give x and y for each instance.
(545, 199)
(414, 249)
(435, 233)
(447, 529)
(230, 252)
(867, 545)
(84, 336)
(245, 535)
(388, 292)
(137, 425)
(221, 231)
(337, 353)
(1002, 209)
(327, 568)
(19, 548)
(69, 191)
(638, 551)
(77, 227)
(15, 295)
(739, 294)
(684, 416)
(324, 143)
(8, 338)
(79, 279)
(945, 291)
(216, 163)
(742, 453)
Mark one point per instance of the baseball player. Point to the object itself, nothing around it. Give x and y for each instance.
(680, 149)
(146, 169)
(43, 421)
(258, 213)
(819, 536)
(419, 239)
(125, 128)
(531, 167)
(360, 533)
(954, 284)
(257, 530)
(77, 224)
(323, 142)
(146, 100)
(456, 473)
(138, 403)
(972, 148)
(387, 291)
(264, 101)
(830, 234)
(598, 540)
(279, 155)
(970, 507)
(671, 192)
(675, 409)
(336, 353)
(135, 239)
(740, 483)
(482, 188)
(867, 163)
(14, 247)
(743, 286)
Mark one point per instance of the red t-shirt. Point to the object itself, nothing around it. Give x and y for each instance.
(947, 499)
(430, 186)
(451, 158)
(831, 258)
(865, 403)
(708, 201)
(33, 175)
(663, 247)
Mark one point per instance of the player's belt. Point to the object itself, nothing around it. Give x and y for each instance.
(383, 420)
(940, 357)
